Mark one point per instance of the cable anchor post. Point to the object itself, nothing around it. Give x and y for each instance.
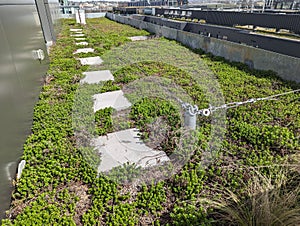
(190, 117)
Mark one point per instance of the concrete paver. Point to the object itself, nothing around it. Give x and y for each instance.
(75, 29)
(94, 77)
(91, 60)
(80, 39)
(114, 99)
(126, 146)
(77, 35)
(82, 43)
(138, 38)
(84, 50)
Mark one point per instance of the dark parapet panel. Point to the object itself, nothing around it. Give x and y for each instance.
(227, 18)
(279, 45)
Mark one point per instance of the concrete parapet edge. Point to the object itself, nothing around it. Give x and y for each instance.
(286, 67)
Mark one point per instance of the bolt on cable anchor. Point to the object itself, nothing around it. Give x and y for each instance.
(190, 115)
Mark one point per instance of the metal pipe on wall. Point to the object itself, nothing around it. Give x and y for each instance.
(48, 10)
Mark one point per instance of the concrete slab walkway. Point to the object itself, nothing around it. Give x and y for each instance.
(126, 146)
(114, 99)
(123, 146)
(94, 77)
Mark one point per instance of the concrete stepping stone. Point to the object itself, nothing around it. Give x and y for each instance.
(91, 60)
(84, 50)
(126, 146)
(114, 99)
(74, 29)
(138, 38)
(80, 39)
(94, 77)
(77, 35)
(82, 43)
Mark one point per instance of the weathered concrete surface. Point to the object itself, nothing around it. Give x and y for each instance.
(190, 39)
(84, 50)
(138, 38)
(287, 67)
(91, 60)
(169, 33)
(153, 28)
(75, 30)
(126, 146)
(94, 77)
(135, 23)
(114, 99)
(77, 35)
(82, 43)
(80, 39)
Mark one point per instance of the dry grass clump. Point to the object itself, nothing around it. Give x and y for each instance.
(266, 200)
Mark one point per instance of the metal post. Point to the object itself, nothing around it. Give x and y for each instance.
(190, 120)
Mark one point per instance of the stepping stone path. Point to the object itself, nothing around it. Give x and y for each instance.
(126, 146)
(84, 50)
(94, 77)
(91, 60)
(88, 60)
(114, 99)
(82, 43)
(138, 38)
(123, 146)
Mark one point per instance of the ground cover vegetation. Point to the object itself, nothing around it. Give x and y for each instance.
(253, 181)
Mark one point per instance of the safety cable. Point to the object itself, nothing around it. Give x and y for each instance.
(193, 109)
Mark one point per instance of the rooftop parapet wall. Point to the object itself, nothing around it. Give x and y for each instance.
(226, 18)
(285, 46)
(287, 67)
